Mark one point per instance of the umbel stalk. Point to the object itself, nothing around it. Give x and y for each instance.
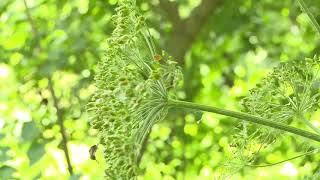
(244, 117)
(313, 20)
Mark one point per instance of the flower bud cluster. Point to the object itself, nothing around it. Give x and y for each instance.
(290, 90)
(124, 86)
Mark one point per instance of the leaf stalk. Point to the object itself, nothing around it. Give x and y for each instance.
(306, 10)
(244, 117)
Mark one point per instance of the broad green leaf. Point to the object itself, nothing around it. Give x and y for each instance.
(17, 40)
(198, 116)
(3, 154)
(30, 131)
(1, 136)
(35, 152)
(75, 177)
(6, 172)
(37, 177)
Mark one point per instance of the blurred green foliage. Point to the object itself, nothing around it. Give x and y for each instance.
(63, 41)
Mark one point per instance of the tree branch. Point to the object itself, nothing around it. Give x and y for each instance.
(171, 10)
(184, 33)
(60, 122)
(51, 89)
(33, 25)
(200, 15)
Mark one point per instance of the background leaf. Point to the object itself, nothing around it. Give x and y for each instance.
(30, 131)
(35, 152)
(6, 172)
(237, 44)
(3, 154)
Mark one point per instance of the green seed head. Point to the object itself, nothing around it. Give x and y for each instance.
(290, 90)
(289, 93)
(131, 92)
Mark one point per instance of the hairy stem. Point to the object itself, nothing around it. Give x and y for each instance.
(245, 117)
(313, 20)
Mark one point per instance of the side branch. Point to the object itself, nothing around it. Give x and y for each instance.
(32, 23)
(245, 117)
(313, 20)
(286, 160)
(60, 122)
(51, 89)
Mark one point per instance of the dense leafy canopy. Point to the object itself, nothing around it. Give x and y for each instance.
(49, 51)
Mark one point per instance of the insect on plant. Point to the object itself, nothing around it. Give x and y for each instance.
(92, 152)
(135, 91)
(157, 57)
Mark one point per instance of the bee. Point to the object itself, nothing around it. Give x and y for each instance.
(157, 57)
(92, 151)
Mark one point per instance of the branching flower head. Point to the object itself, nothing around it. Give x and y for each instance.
(289, 94)
(292, 89)
(133, 82)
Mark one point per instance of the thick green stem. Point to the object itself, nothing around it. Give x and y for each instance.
(245, 117)
(313, 20)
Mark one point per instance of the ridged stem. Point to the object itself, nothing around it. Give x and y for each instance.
(313, 20)
(244, 117)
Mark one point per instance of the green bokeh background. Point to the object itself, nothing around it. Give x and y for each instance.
(237, 46)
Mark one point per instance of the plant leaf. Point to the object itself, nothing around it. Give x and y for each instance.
(30, 131)
(6, 172)
(35, 152)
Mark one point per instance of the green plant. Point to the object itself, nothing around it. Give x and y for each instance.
(132, 90)
(136, 87)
